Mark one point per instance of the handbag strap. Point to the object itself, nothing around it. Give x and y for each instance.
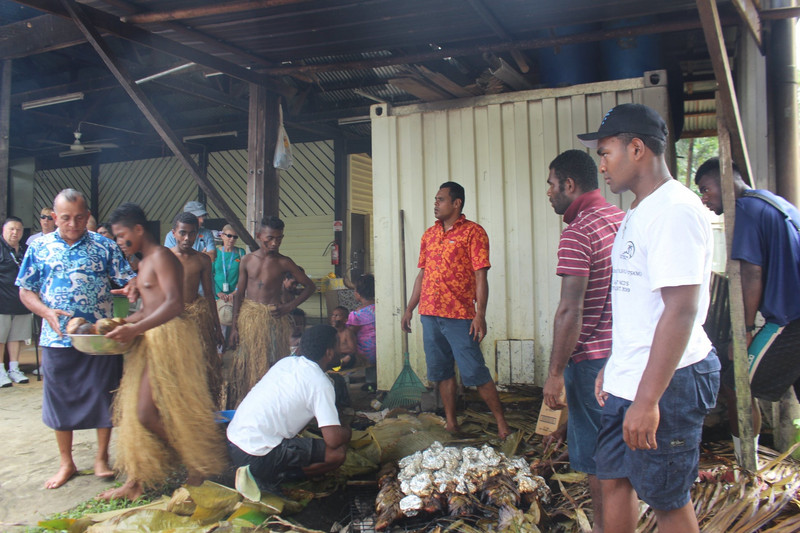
(771, 201)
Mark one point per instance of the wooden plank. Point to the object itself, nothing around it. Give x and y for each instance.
(444, 82)
(712, 29)
(419, 89)
(153, 116)
(733, 270)
(748, 10)
(223, 8)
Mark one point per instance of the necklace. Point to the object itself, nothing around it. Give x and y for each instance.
(638, 202)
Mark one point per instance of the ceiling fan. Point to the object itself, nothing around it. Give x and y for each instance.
(82, 148)
(79, 148)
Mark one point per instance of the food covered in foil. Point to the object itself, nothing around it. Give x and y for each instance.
(456, 481)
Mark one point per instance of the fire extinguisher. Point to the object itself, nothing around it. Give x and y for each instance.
(335, 253)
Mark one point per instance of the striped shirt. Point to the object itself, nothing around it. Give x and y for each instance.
(585, 250)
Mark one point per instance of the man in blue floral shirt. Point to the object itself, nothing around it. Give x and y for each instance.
(67, 274)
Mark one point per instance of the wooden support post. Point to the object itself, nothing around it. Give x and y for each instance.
(263, 183)
(733, 269)
(340, 187)
(726, 103)
(5, 126)
(153, 116)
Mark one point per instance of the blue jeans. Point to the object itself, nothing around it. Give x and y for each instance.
(662, 477)
(447, 343)
(584, 413)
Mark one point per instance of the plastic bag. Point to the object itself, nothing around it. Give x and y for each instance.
(283, 149)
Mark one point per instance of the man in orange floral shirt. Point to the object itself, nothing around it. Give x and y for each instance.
(453, 263)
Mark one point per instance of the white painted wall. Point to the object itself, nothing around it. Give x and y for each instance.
(499, 148)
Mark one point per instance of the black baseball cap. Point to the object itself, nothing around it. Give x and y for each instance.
(627, 118)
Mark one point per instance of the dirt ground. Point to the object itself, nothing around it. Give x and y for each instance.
(31, 457)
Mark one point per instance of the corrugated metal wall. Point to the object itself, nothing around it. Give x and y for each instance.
(48, 183)
(499, 148)
(360, 202)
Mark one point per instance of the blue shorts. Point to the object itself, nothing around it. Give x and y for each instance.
(447, 343)
(662, 477)
(584, 413)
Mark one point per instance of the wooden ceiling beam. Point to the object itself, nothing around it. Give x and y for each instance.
(38, 35)
(204, 93)
(105, 22)
(748, 10)
(224, 8)
(683, 24)
(153, 116)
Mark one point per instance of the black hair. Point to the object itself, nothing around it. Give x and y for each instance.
(297, 312)
(712, 165)
(317, 340)
(128, 215)
(365, 286)
(185, 217)
(12, 218)
(272, 222)
(456, 191)
(343, 308)
(657, 146)
(579, 166)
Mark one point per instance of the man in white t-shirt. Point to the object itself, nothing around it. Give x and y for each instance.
(263, 433)
(662, 376)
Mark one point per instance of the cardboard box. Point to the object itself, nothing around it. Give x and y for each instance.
(550, 420)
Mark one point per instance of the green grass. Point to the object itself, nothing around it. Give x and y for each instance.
(95, 506)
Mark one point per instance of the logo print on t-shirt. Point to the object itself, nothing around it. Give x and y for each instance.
(630, 249)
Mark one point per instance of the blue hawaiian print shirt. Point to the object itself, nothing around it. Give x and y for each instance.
(75, 278)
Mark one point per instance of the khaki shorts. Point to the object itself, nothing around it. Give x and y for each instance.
(15, 328)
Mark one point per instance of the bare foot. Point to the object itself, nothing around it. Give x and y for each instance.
(101, 469)
(503, 430)
(131, 490)
(65, 472)
(452, 428)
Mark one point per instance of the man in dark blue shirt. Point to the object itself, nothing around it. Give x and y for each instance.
(766, 240)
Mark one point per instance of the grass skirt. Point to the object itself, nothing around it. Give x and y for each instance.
(199, 313)
(172, 353)
(263, 340)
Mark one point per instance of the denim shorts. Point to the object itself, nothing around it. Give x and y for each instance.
(662, 477)
(447, 343)
(584, 413)
(284, 462)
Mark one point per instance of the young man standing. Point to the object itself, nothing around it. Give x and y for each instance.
(766, 239)
(452, 291)
(163, 406)
(582, 325)
(200, 304)
(262, 436)
(261, 324)
(662, 375)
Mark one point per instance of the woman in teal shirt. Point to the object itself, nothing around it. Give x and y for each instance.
(226, 265)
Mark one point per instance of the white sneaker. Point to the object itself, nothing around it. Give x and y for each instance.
(37, 371)
(4, 380)
(16, 375)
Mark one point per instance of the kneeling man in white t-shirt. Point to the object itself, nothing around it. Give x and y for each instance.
(263, 433)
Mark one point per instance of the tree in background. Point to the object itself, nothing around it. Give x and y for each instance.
(691, 154)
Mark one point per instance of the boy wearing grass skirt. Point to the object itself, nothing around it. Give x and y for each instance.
(163, 408)
(261, 324)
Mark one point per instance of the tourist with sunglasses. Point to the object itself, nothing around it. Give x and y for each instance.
(226, 266)
(48, 223)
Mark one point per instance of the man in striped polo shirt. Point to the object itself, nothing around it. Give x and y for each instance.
(582, 325)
